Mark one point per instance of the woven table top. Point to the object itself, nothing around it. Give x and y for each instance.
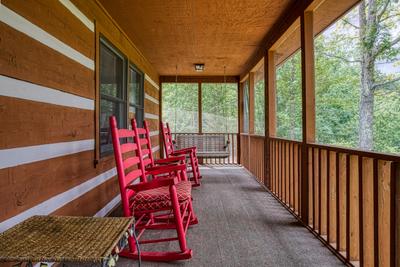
(62, 239)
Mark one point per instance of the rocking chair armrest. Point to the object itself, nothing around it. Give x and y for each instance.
(165, 169)
(153, 184)
(169, 160)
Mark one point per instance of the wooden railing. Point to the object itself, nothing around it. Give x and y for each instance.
(252, 154)
(285, 171)
(232, 143)
(352, 202)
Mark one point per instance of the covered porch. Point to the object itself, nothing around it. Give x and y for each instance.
(293, 107)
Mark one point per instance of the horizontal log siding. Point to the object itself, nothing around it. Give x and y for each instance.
(25, 187)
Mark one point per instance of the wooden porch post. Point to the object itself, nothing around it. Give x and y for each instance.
(251, 103)
(308, 104)
(269, 111)
(161, 114)
(240, 118)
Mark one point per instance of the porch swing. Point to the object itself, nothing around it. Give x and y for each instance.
(208, 145)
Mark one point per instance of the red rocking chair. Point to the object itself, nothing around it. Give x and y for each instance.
(150, 200)
(189, 152)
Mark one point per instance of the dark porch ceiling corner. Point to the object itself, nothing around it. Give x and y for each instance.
(216, 33)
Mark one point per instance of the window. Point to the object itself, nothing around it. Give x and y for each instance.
(246, 106)
(219, 107)
(112, 93)
(135, 92)
(350, 112)
(259, 101)
(181, 106)
(121, 93)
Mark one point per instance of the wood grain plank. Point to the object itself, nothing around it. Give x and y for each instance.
(368, 212)
(25, 186)
(354, 219)
(332, 198)
(384, 227)
(55, 19)
(28, 123)
(34, 62)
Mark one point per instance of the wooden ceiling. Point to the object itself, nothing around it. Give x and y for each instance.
(183, 32)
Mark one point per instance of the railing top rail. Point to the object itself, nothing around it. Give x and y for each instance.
(358, 152)
(204, 133)
(286, 140)
(347, 150)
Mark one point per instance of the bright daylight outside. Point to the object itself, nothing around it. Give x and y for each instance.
(357, 76)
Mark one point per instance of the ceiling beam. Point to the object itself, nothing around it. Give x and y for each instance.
(197, 79)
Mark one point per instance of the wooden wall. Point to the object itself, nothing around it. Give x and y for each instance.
(48, 108)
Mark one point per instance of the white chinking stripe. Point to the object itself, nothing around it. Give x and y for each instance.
(152, 99)
(58, 201)
(110, 205)
(23, 25)
(25, 90)
(155, 149)
(154, 133)
(77, 13)
(150, 116)
(150, 80)
(23, 155)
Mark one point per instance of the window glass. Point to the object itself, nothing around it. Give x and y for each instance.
(220, 108)
(112, 93)
(180, 106)
(136, 95)
(135, 87)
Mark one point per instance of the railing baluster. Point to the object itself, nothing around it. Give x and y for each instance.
(361, 210)
(328, 190)
(348, 192)
(376, 214)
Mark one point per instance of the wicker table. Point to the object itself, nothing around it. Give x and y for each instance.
(78, 240)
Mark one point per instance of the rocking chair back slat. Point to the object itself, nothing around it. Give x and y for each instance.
(141, 130)
(130, 162)
(128, 147)
(146, 151)
(125, 133)
(147, 162)
(132, 176)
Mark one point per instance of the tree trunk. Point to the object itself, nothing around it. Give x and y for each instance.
(366, 120)
(367, 39)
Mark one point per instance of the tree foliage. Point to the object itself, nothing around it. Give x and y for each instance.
(342, 53)
(219, 105)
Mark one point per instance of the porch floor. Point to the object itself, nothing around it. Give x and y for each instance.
(240, 224)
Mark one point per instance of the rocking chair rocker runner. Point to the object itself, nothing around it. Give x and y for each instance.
(190, 152)
(150, 200)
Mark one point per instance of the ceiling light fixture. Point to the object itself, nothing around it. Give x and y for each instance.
(199, 67)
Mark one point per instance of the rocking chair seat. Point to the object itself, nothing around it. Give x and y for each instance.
(159, 198)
